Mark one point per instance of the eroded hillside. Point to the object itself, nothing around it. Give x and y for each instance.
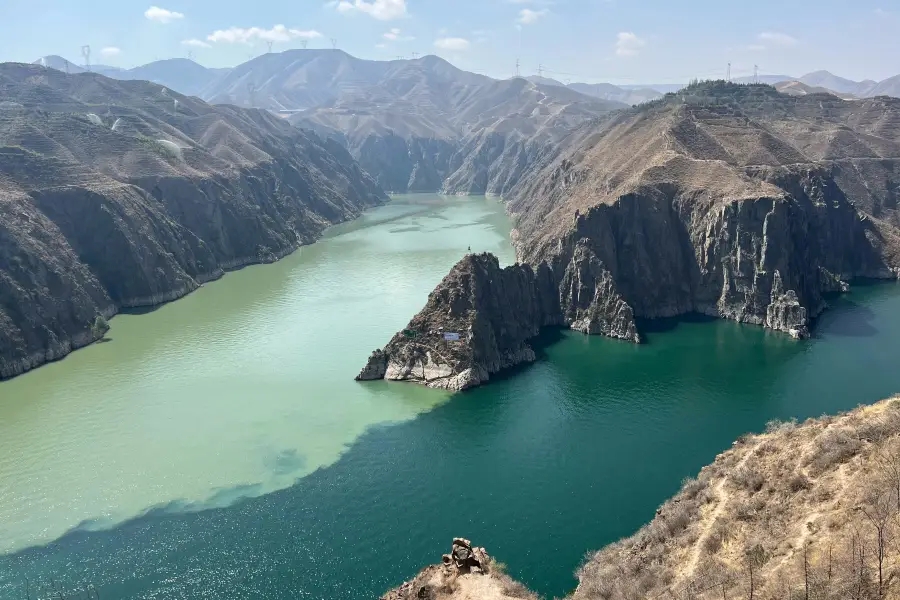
(734, 201)
(802, 511)
(122, 193)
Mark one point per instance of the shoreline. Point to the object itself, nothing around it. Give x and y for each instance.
(63, 348)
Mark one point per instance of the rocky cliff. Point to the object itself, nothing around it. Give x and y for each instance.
(733, 201)
(121, 193)
(726, 200)
(477, 322)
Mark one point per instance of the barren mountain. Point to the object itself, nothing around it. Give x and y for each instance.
(798, 88)
(179, 74)
(123, 193)
(888, 87)
(841, 85)
(726, 200)
(427, 125)
(608, 91)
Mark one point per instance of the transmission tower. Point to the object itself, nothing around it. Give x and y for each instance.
(755, 73)
(86, 53)
(333, 44)
(304, 44)
(728, 74)
(415, 55)
(270, 46)
(517, 67)
(540, 70)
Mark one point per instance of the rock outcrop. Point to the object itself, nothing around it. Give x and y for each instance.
(467, 573)
(716, 201)
(720, 201)
(97, 213)
(476, 322)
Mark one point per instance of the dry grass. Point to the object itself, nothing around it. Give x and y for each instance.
(799, 506)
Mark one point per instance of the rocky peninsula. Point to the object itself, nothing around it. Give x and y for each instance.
(732, 201)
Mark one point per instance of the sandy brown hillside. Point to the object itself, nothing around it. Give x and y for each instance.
(801, 511)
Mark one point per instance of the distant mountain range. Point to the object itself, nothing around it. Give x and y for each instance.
(423, 124)
(307, 78)
(180, 74)
(606, 91)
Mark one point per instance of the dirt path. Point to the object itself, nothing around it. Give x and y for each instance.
(805, 529)
(724, 496)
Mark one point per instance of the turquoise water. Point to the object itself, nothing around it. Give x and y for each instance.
(540, 466)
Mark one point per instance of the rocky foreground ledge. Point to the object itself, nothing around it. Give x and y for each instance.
(467, 573)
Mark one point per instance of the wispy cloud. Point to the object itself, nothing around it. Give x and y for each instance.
(383, 10)
(278, 33)
(528, 16)
(161, 15)
(777, 39)
(195, 43)
(394, 36)
(452, 43)
(111, 51)
(628, 44)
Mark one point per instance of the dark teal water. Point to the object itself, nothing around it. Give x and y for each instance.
(541, 466)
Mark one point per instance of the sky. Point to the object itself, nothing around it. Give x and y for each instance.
(620, 41)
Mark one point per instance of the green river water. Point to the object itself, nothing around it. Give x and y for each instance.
(218, 446)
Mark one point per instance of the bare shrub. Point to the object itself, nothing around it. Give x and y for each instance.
(749, 479)
(798, 482)
(834, 447)
(690, 487)
(780, 427)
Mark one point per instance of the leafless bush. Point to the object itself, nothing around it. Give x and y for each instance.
(781, 427)
(834, 447)
(748, 478)
(798, 482)
(690, 487)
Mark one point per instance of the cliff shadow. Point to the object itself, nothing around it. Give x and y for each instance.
(847, 319)
(546, 338)
(649, 327)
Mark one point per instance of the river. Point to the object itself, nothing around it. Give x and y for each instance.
(218, 447)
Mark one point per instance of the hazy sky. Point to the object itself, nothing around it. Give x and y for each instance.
(623, 41)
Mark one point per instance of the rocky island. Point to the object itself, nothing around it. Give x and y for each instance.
(117, 194)
(725, 200)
